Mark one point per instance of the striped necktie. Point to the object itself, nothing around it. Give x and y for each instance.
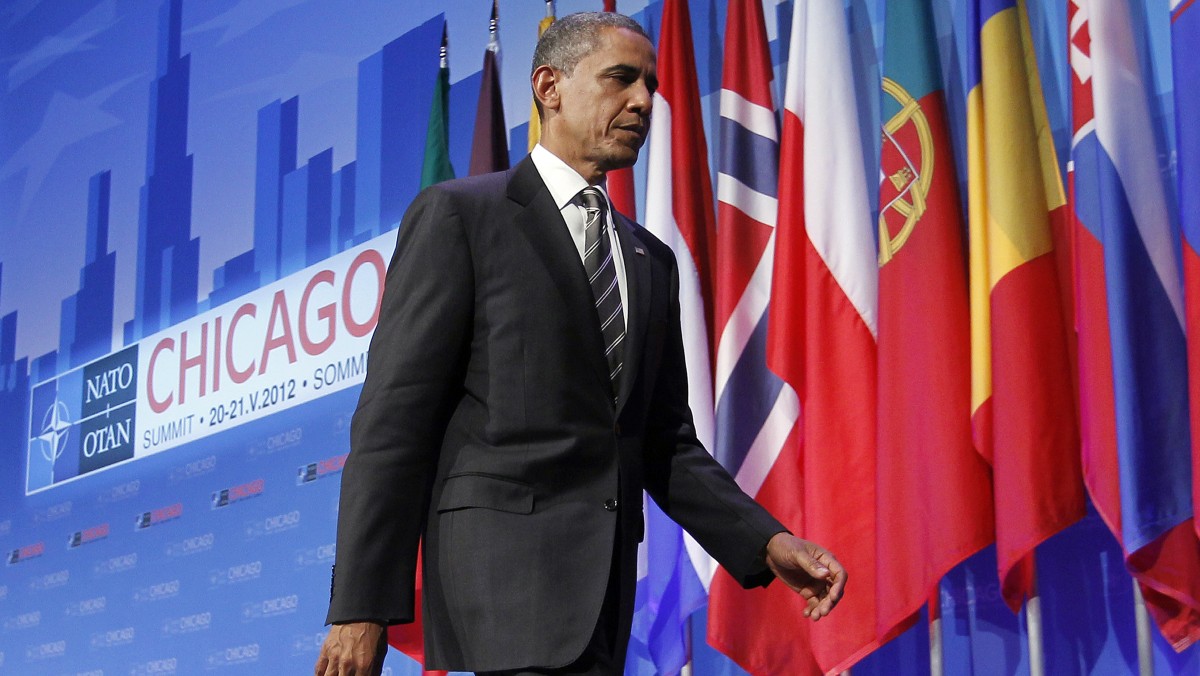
(602, 274)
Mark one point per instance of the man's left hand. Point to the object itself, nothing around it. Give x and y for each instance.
(809, 570)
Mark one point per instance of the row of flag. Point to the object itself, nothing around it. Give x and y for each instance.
(909, 389)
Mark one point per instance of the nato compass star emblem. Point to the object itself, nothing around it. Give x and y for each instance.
(56, 428)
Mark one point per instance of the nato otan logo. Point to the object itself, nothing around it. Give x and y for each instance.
(83, 420)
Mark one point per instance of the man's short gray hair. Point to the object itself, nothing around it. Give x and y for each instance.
(569, 39)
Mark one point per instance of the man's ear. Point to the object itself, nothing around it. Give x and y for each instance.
(545, 87)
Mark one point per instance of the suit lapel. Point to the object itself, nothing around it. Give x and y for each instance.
(637, 280)
(540, 221)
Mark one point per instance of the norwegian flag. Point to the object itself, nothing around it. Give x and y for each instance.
(756, 411)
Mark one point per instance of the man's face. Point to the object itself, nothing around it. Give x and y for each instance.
(604, 110)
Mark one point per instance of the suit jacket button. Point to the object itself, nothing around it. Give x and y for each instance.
(617, 429)
(610, 504)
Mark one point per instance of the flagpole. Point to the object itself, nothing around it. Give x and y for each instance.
(936, 665)
(1033, 627)
(494, 28)
(1145, 645)
(687, 669)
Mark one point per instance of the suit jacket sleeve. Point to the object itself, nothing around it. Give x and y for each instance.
(414, 375)
(692, 487)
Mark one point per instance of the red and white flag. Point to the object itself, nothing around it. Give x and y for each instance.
(823, 322)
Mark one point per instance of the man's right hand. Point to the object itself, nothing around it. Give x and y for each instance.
(353, 649)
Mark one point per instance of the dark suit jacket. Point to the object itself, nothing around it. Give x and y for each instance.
(487, 424)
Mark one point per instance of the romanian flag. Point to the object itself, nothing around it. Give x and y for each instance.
(1022, 394)
(934, 490)
(1137, 446)
(1185, 35)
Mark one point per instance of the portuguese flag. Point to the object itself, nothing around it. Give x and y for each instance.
(929, 474)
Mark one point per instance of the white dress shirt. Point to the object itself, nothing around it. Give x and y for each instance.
(564, 184)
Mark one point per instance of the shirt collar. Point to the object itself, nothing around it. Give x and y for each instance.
(563, 182)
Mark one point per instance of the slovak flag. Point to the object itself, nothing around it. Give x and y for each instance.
(1130, 299)
(1185, 35)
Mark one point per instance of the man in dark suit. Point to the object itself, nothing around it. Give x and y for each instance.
(526, 382)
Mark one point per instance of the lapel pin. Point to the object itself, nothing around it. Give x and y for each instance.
(639, 251)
